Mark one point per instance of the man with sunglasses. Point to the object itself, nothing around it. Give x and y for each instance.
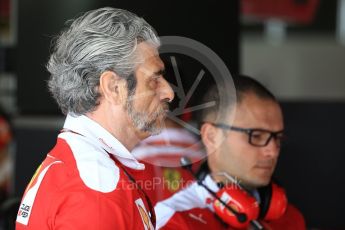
(242, 141)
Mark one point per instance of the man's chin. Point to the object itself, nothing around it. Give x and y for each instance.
(154, 128)
(259, 182)
(157, 129)
(262, 183)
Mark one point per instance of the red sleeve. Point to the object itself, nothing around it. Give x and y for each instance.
(292, 220)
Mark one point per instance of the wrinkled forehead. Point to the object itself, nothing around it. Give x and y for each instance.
(146, 50)
(148, 60)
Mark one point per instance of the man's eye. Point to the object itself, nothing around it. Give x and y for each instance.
(259, 135)
(154, 82)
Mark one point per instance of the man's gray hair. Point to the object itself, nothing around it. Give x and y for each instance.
(97, 41)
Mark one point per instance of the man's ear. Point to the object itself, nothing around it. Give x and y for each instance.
(210, 136)
(112, 87)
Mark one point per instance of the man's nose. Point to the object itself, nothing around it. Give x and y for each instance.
(166, 92)
(272, 149)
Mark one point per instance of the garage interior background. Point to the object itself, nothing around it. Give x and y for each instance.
(300, 61)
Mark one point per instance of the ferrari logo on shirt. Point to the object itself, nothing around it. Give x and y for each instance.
(144, 215)
(172, 178)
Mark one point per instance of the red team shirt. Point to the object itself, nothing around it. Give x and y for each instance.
(190, 208)
(79, 185)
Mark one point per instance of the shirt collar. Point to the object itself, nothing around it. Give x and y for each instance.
(210, 183)
(97, 134)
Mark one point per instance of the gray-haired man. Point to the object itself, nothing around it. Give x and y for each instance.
(106, 76)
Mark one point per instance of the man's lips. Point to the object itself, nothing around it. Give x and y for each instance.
(264, 167)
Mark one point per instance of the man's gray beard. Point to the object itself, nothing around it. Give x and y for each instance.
(142, 121)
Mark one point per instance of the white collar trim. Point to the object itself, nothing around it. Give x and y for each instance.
(96, 133)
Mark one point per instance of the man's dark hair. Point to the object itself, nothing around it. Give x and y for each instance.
(243, 85)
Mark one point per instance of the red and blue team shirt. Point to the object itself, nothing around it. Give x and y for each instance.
(79, 185)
